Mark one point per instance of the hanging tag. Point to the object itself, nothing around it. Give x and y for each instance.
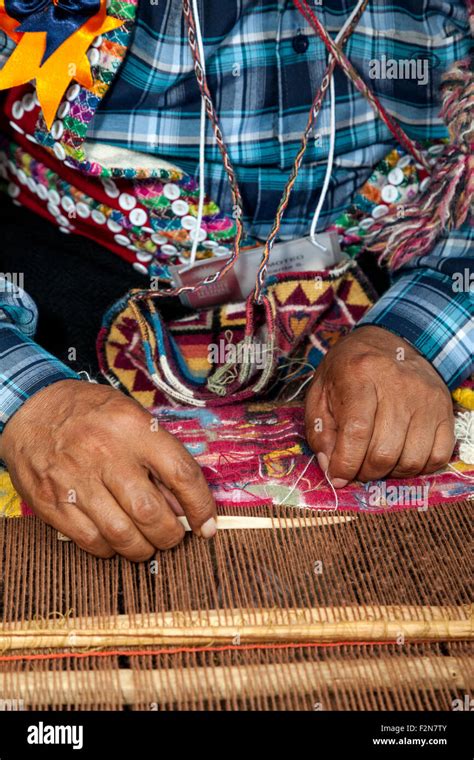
(300, 255)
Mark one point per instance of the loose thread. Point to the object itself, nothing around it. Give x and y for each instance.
(301, 476)
(297, 481)
(461, 474)
(336, 497)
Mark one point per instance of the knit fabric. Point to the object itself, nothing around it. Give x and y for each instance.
(302, 316)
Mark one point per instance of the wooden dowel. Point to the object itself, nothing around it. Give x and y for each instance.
(249, 522)
(202, 628)
(155, 687)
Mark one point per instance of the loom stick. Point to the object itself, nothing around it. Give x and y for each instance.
(248, 522)
(203, 628)
(219, 682)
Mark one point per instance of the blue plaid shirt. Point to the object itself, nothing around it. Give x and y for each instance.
(264, 64)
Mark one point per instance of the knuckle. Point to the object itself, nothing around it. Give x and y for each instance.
(440, 398)
(97, 443)
(139, 554)
(357, 428)
(144, 508)
(341, 469)
(92, 541)
(204, 508)
(437, 462)
(186, 471)
(380, 460)
(364, 362)
(170, 538)
(118, 534)
(409, 468)
(99, 550)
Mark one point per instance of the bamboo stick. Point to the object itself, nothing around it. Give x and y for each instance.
(205, 627)
(248, 522)
(156, 687)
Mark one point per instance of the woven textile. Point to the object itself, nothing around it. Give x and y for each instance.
(256, 455)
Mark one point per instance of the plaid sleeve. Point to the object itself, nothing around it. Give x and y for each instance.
(25, 367)
(431, 305)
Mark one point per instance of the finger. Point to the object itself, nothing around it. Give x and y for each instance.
(320, 426)
(170, 497)
(354, 411)
(169, 461)
(71, 522)
(442, 449)
(147, 507)
(386, 444)
(115, 525)
(417, 448)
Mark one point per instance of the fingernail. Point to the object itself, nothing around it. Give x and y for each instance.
(323, 461)
(339, 483)
(209, 528)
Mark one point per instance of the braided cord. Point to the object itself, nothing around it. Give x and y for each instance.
(336, 56)
(359, 83)
(313, 114)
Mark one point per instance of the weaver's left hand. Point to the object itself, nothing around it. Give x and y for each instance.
(375, 408)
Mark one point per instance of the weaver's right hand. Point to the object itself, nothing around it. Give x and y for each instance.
(95, 465)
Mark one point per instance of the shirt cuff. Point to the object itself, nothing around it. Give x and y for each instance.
(435, 315)
(25, 368)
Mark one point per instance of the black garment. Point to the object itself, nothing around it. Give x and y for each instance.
(73, 281)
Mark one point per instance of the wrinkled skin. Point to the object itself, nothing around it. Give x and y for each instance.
(377, 408)
(94, 464)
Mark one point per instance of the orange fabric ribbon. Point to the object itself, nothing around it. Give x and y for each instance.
(68, 62)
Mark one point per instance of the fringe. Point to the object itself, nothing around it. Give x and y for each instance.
(445, 203)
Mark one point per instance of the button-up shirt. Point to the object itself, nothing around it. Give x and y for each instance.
(264, 64)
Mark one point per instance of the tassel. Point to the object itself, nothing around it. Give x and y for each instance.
(464, 431)
(448, 198)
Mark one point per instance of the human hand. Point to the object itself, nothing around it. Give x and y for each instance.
(375, 408)
(95, 465)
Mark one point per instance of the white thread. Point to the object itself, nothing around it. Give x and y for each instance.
(87, 376)
(332, 136)
(298, 390)
(461, 474)
(202, 138)
(336, 497)
(297, 481)
(202, 143)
